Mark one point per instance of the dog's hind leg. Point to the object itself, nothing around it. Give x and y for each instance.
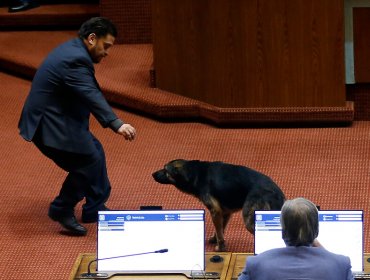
(248, 213)
(268, 197)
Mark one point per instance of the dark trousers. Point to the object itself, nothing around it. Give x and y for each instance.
(87, 178)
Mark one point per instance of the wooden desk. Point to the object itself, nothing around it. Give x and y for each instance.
(237, 263)
(81, 264)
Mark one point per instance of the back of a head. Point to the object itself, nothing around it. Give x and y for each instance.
(99, 25)
(300, 222)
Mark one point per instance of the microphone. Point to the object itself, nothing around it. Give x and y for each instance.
(89, 274)
(161, 251)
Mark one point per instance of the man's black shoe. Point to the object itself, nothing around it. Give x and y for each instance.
(92, 218)
(22, 5)
(70, 224)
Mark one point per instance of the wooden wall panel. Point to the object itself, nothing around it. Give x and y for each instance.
(251, 53)
(361, 44)
(133, 19)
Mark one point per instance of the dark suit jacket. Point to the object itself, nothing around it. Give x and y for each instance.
(63, 94)
(308, 263)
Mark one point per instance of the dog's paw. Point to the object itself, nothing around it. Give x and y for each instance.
(213, 240)
(220, 248)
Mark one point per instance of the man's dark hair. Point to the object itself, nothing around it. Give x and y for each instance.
(300, 222)
(99, 25)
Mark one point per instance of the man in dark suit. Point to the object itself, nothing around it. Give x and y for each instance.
(55, 118)
(303, 257)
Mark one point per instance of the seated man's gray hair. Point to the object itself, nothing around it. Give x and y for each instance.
(300, 222)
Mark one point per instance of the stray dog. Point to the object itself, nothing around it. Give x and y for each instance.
(224, 189)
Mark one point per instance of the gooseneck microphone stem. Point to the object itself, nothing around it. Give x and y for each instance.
(123, 256)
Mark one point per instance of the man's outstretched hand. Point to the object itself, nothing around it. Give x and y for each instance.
(128, 131)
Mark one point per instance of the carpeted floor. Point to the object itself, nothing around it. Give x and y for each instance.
(330, 166)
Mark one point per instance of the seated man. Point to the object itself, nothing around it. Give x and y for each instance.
(303, 257)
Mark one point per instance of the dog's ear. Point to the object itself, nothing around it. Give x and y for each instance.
(177, 170)
(177, 162)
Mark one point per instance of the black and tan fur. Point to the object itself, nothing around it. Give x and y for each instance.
(224, 189)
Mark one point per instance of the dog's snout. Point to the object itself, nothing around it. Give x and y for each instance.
(156, 174)
(160, 176)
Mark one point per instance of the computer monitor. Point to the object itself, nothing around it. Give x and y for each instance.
(153, 241)
(340, 231)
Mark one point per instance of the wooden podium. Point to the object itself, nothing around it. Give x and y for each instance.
(268, 55)
(229, 269)
(83, 260)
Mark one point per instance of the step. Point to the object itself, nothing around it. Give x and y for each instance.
(56, 16)
(125, 79)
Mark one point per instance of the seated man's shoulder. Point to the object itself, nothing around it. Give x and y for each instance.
(271, 253)
(337, 256)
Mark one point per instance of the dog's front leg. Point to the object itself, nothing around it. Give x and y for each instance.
(217, 219)
(226, 219)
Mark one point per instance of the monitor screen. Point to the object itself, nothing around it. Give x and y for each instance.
(151, 241)
(340, 232)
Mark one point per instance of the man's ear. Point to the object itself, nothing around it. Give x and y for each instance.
(91, 38)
